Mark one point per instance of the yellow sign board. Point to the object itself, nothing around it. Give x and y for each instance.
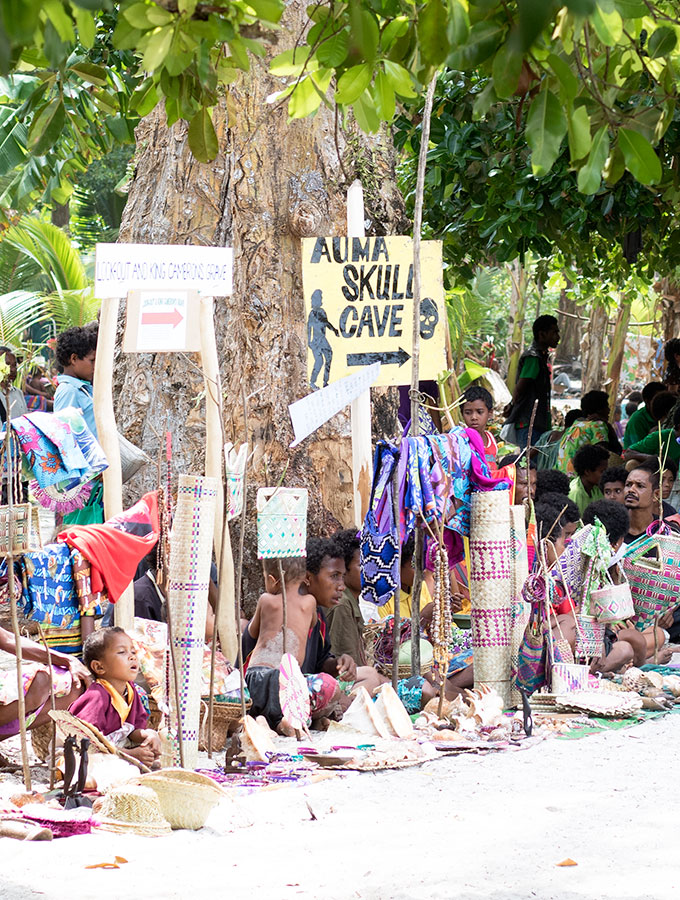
(359, 308)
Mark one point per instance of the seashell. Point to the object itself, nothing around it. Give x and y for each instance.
(672, 683)
(632, 679)
(655, 679)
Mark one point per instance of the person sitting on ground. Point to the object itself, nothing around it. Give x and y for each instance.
(670, 473)
(641, 421)
(17, 407)
(112, 703)
(642, 498)
(592, 427)
(476, 408)
(38, 390)
(69, 678)
(524, 484)
(551, 481)
(651, 449)
(76, 353)
(557, 520)
(266, 626)
(345, 621)
(589, 464)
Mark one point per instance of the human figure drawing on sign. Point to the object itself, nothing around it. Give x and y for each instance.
(317, 323)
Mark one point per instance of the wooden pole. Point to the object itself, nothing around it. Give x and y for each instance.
(9, 561)
(361, 407)
(415, 361)
(397, 597)
(107, 432)
(239, 565)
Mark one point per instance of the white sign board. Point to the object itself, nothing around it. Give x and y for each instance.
(120, 268)
(312, 411)
(161, 322)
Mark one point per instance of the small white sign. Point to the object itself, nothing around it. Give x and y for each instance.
(120, 268)
(312, 411)
(162, 322)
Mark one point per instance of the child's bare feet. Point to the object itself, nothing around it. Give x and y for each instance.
(285, 728)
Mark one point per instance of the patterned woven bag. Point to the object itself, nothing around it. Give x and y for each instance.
(281, 522)
(651, 565)
(379, 550)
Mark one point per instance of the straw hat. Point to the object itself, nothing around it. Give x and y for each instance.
(132, 809)
(186, 798)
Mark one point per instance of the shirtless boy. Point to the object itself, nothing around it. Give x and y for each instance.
(262, 676)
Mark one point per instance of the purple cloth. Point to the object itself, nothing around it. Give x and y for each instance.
(95, 707)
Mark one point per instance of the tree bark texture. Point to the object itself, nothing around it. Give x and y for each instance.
(616, 353)
(273, 182)
(516, 316)
(570, 329)
(593, 349)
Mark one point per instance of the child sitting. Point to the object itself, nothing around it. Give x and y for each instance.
(262, 676)
(476, 409)
(590, 463)
(112, 703)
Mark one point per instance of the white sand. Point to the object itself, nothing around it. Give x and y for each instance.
(463, 827)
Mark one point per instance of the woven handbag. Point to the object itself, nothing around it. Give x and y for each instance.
(281, 522)
(379, 548)
(651, 565)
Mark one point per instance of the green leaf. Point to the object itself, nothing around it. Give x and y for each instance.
(395, 29)
(90, 72)
(590, 175)
(614, 167)
(506, 69)
(353, 83)
(631, 9)
(202, 137)
(400, 79)
(144, 98)
(607, 24)
(568, 81)
(366, 114)
(383, 95)
(304, 100)
(578, 125)
(482, 42)
(60, 19)
(267, 10)
(290, 62)
(138, 15)
(459, 23)
(364, 30)
(546, 126)
(432, 32)
(46, 127)
(662, 42)
(188, 7)
(484, 102)
(86, 26)
(334, 49)
(157, 49)
(640, 158)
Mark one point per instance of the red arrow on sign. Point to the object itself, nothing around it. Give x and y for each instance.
(162, 318)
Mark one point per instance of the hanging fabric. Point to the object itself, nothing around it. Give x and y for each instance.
(379, 548)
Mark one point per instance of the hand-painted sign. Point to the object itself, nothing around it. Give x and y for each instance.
(359, 308)
(119, 268)
(162, 322)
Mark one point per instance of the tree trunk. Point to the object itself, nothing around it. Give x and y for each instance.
(616, 353)
(570, 328)
(670, 305)
(272, 183)
(516, 316)
(592, 349)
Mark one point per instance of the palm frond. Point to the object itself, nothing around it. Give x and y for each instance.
(68, 308)
(18, 311)
(51, 249)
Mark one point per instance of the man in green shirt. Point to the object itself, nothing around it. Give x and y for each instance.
(642, 422)
(589, 464)
(649, 448)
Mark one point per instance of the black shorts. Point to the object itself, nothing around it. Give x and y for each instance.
(263, 687)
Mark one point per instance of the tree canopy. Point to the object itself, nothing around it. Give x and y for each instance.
(598, 77)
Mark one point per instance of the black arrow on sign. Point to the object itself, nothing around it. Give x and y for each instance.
(392, 357)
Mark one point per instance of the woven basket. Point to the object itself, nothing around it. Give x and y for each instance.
(402, 671)
(654, 581)
(21, 528)
(186, 798)
(589, 637)
(520, 609)
(613, 603)
(281, 522)
(132, 809)
(41, 738)
(491, 590)
(567, 678)
(223, 715)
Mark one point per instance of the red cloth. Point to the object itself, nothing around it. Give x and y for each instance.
(116, 548)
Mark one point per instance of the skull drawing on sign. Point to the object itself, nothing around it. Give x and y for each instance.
(429, 316)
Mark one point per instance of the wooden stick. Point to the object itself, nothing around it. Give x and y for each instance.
(396, 623)
(415, 363)
(53, 706)
(9, 559)
(239, 565)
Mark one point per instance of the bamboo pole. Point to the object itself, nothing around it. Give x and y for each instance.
(239, 564)
(415, 363)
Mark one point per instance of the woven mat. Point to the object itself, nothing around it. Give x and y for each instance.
(597, 724)
(662, 670)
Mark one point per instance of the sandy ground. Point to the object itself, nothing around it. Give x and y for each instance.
(463, 827)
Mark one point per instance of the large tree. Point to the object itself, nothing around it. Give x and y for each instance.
(272, 183)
